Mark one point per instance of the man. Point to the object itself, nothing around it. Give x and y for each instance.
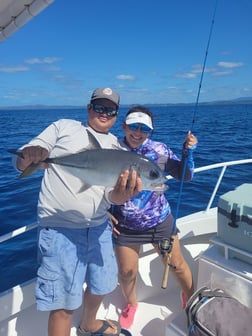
(75, 235)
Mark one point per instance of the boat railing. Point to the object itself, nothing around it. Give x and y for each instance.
(222, 165)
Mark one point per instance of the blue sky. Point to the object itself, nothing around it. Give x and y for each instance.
(149, 51)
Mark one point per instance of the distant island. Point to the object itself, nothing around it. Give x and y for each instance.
(238, 101)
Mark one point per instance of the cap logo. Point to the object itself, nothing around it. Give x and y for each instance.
(107, 91)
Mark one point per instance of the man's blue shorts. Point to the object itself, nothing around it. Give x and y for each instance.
(71, 257)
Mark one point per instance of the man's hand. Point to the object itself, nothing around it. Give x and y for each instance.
(127, 186)
(32, 154)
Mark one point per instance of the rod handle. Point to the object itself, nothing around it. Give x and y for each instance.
(166, 271)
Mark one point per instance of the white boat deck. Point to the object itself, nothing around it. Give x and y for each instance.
(157, 306)
(159, 312)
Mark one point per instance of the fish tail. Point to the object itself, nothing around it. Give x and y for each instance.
(15, 152)
(29, 170)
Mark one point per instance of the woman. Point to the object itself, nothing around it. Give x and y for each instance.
(147, 217)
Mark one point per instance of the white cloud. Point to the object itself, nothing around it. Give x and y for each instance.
(230, 64)
(51, 68)
(247, 90)
(198, 68)
(126, 77)
(225, 52)
(222, 73)
(45, 60)
(186, 75)
(14, 69)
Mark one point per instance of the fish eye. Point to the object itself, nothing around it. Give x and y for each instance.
(154, 174)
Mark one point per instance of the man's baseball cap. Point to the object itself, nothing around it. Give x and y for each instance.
(106, 93)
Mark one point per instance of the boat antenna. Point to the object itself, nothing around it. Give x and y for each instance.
(168, 251)
(194, 113)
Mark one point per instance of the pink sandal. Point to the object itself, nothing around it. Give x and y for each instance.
(183, 300)
(127, 316)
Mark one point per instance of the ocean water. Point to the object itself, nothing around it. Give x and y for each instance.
(223, 131)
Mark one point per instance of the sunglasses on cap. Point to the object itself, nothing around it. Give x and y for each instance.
(110, 111)
(143, 128)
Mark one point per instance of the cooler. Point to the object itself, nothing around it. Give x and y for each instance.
(235, 220)
(232, 275)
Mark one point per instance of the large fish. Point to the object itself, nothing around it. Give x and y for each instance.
(101, 166)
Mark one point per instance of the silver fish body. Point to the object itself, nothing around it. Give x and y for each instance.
(103, 166)
(100, 166)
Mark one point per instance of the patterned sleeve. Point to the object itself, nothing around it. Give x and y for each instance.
(164, 155)
(171, 164)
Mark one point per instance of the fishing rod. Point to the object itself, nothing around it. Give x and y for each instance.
(196, 108)
(204, 65)
(165, 245)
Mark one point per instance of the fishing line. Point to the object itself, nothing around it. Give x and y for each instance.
(194, 114)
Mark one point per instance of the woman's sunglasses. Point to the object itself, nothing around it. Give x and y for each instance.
(143, 128)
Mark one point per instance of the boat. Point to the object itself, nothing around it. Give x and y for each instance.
(160, 311)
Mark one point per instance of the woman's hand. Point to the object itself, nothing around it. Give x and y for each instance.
(114, 223)
(190, 140)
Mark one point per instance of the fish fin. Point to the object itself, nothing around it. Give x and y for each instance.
(118, 147)
(93, 142)
(135, 167)
(15, 152)
(29, 170)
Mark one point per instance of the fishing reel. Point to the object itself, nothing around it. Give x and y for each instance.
(165, 246)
